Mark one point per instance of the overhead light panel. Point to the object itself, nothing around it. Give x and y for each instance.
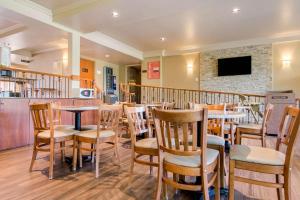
(115, 14)
(163, 39)
(236, 10)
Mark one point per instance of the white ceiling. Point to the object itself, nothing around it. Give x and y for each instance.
(93, 50)
(27, 36)
(187, 24)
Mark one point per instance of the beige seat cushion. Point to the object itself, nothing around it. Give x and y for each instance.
(191, 161)
(255, 154)
(63, 127)
(250, 126)
(93, 134)
(212, 139)
(150, 143)
(59, 132)
(215, 140)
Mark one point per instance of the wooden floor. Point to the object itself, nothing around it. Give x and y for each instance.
(114, 183)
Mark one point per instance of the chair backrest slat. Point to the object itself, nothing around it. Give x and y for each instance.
(267, 115)
(108, 117)
(288, 132)
(183, 123)
(136, 120)
(42, 117)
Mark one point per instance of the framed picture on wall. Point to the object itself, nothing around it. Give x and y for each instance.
(154, 70)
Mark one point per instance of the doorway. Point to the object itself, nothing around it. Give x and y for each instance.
(134, 77)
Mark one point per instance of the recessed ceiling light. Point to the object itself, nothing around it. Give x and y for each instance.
(115, 14)
(107, 55)
(163, 39)
(236, 10)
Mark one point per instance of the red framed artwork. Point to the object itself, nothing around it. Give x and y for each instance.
(154, 70)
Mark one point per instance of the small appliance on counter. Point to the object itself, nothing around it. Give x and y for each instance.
(87, 93)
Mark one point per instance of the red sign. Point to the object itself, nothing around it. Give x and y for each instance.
(154, 70)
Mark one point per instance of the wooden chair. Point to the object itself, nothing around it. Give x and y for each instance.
(214, 142)
(265, 160)
(106, 133)
(123, 120)
(255, 131)
(144, 147)
(180, 157)
(215, 125)
(47, 134)
(149, 109)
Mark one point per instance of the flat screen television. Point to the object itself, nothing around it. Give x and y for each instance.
(234, 66)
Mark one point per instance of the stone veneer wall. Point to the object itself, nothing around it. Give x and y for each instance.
(257, 83)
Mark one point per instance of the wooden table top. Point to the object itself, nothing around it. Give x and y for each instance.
(77, 108)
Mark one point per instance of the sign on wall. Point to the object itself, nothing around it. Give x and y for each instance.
(154, 70)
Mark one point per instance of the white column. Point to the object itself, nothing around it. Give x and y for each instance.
(74, 63)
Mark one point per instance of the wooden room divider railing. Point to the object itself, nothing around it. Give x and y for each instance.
(181, 97)
(16, 82)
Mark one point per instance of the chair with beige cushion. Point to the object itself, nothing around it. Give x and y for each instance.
(213, 142)
(46, 134)
(106, 133)
(269, 161)
(143, 147)
(179, 156)
(255, 131)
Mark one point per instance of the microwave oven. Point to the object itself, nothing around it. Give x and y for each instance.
(86, 93)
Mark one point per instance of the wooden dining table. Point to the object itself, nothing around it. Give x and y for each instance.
(77, 110)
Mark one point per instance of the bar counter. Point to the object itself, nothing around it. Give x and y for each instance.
(16, 128)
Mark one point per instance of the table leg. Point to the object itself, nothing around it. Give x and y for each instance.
(78, 121)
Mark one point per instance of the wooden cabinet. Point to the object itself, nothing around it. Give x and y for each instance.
(14, 123)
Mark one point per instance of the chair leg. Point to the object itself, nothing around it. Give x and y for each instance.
(231, 179)
(287, 185)
(238, 136)
(222, 166)
(116, 148)
(132, 160)
(34, 154)
(278, 189)
(93, 153)
(51, 165)
(159, 179)
(79, 154)
(164, 185)
(263, 141)
(151, 167)
(75, 154)
(217, 181)
(62, 147)
(98, 151)
(204, 184)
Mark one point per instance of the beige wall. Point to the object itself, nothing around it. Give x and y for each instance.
(286, 76)
(145, 80)
(181, 71)
(99, 65)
